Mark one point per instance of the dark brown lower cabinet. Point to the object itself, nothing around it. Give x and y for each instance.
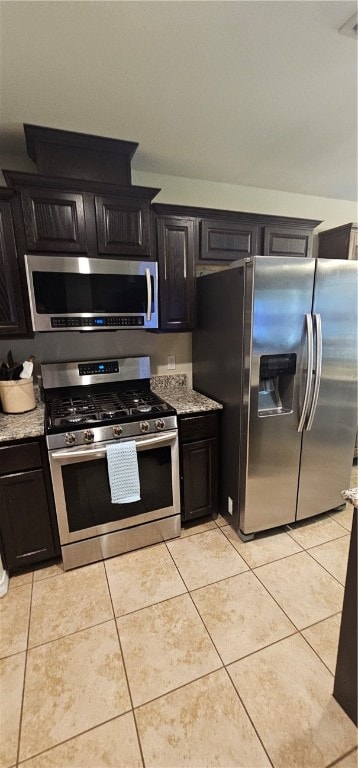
(28, 529)
(198, 438)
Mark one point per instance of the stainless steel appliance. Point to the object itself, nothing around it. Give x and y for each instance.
(85, 294)
(88, 406)
(276, 343)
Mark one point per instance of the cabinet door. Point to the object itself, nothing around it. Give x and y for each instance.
(177, 242)
(282, 242)
(123, 226)
(226, 241)
(199, 480)
(12, 316)
(25, 525)
(54, 220)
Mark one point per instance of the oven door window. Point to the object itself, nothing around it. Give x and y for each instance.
(88, 496)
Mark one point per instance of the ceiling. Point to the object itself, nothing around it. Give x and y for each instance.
(247, 92)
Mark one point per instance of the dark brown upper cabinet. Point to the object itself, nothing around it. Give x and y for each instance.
(76, 216)
(12, 314)
(287, 242)
(79, 155)
(226, 241)
(123, 226)
(54, 220)
(339, 242)
(177, 245)
(225, 236)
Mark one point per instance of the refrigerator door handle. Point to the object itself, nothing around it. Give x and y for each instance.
(306, 398)
(317, 383)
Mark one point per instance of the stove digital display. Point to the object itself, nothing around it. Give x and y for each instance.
(91, 369)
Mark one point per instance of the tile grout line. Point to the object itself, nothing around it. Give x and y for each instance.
(324, 567)
(124, 668)
(342, 757)
(250, 719)
(24, 680)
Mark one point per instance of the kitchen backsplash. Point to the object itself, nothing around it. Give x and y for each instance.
(52, 347)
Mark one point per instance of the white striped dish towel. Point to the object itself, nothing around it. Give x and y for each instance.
(123, 472)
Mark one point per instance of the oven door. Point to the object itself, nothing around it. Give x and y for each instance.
(82, 493)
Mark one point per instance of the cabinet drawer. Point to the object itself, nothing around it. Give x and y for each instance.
(197, 427)
(16, 458)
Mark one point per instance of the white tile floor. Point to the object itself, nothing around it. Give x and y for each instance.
(200, 652)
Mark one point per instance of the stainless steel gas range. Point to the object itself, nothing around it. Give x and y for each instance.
(90, 405)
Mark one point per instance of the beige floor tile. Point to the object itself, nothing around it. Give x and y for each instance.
(112, 745)
(206, 558)
(14, 620)
(71, 685)
(56, 569)
(323, 638)
(334, 557)
(304, 590)
(202, 724)
(165, 646)
(264, 548)
(196, 527)
(350, 761)
(314, 531)
(11, 685)
(142, 578)
(69, 602)
(19, 579)
(344, 518)
(288, 695)
(240, 616)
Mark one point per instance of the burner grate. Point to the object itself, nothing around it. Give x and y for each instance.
(104, 406)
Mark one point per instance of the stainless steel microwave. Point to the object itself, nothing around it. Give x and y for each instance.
(79, 293)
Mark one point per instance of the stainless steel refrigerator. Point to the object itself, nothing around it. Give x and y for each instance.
(276, 344)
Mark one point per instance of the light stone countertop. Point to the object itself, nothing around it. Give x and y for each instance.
(172, 388)
(21, 425)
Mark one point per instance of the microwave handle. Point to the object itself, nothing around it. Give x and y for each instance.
(99, 453)
(149, 294)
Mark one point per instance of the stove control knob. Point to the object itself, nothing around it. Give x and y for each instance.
(117, 431)
(160, 424)
(88, 436)
(70, 438)
(143, 426)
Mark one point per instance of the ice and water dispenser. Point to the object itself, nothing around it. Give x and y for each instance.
(276, 384)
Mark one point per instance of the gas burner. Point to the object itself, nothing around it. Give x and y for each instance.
(113, 414)
(145, 408)
(75, 419)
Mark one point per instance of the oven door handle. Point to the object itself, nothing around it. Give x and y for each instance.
(99, 453)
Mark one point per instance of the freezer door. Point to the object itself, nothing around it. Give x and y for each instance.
(269, 467)
(327, 448)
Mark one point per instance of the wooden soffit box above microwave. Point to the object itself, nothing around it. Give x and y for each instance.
(79, 155)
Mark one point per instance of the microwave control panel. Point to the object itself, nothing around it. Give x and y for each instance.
(99, 322)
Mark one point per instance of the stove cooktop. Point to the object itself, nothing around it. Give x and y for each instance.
(100, 409)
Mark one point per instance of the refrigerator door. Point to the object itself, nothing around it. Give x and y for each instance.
(327, 448)
(269, 468)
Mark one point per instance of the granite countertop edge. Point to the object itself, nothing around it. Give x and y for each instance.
(173, 389)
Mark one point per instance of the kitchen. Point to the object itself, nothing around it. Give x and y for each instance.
(210, 197)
